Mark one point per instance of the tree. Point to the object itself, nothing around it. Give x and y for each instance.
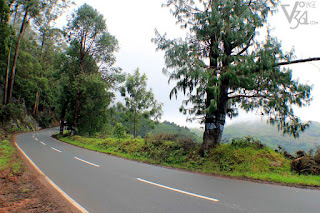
(49, 39)
(30, 9)
(90, 53)
(4, 34)
(140, 103)
(221, 66)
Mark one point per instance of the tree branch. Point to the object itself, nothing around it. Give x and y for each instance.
(297, 61)
(249, 96)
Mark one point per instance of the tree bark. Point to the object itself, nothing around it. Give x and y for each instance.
(5, 95)
(63, 115)
(76, 112)
(214, 122)
(36, 104)
(135, 124)
(213, 131)
(15, 60)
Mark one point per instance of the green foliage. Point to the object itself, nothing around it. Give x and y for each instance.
(87, 76)
(247, 142)
(88, 28)
(243, 72)
(119, 131)
(4, 34)
(94, 105)
(7, 156)
(140, 103)
(11, 111)
(230, 159)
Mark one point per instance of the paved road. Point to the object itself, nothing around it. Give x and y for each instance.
(102, 183)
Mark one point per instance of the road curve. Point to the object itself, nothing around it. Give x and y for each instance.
(103, 183)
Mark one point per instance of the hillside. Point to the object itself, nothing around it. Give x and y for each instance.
(270, 136)
(172, 128)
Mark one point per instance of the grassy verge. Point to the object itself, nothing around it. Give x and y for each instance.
(243, 158)
(8, 160)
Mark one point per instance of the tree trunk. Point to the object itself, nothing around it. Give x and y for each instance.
(36, 104)
(15, 60)
(5, 95)
(42, 46)
(214, 121)
(63, 115)
(135, 124)
(76, 113)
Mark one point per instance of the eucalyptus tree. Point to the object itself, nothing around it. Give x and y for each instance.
(30, 9)
(4, 34)
(92, 52)
(139, 101)
(221, 66)
(51, 41)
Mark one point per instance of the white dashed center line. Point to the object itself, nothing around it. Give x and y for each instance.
(178, 190)
(43, 143)
(86, 162)
(56, 149)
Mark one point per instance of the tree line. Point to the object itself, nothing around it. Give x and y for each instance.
(68, 74)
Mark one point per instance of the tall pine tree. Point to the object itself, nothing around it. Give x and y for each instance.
(221, 66)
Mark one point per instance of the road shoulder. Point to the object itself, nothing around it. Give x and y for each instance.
(37, 194)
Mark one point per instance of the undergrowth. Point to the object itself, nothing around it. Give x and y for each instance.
(246, 158)
(8, 159)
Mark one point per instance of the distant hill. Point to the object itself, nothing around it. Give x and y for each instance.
(270, 136)
(170, 127)
(266, 133)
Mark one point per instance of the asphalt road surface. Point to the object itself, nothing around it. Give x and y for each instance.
(103, 183)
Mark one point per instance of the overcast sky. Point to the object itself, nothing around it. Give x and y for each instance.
(133, 23)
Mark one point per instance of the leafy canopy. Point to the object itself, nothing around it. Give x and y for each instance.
(222, 62)
(140, 102)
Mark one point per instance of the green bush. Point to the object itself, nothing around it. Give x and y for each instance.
(119, 131)
(11, 111)
(247, 142)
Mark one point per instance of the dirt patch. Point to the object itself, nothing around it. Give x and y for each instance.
(25, 191)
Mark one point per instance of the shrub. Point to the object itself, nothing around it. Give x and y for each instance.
(307, 163)
(11, 111)
(119, 131)
(187, 144)
(247, 142)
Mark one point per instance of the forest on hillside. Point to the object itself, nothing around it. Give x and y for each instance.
(67, 74)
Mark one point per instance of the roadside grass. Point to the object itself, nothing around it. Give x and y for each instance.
(243, 158)
(8, 160)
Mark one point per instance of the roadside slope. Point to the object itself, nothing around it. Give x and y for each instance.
(22, 188)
